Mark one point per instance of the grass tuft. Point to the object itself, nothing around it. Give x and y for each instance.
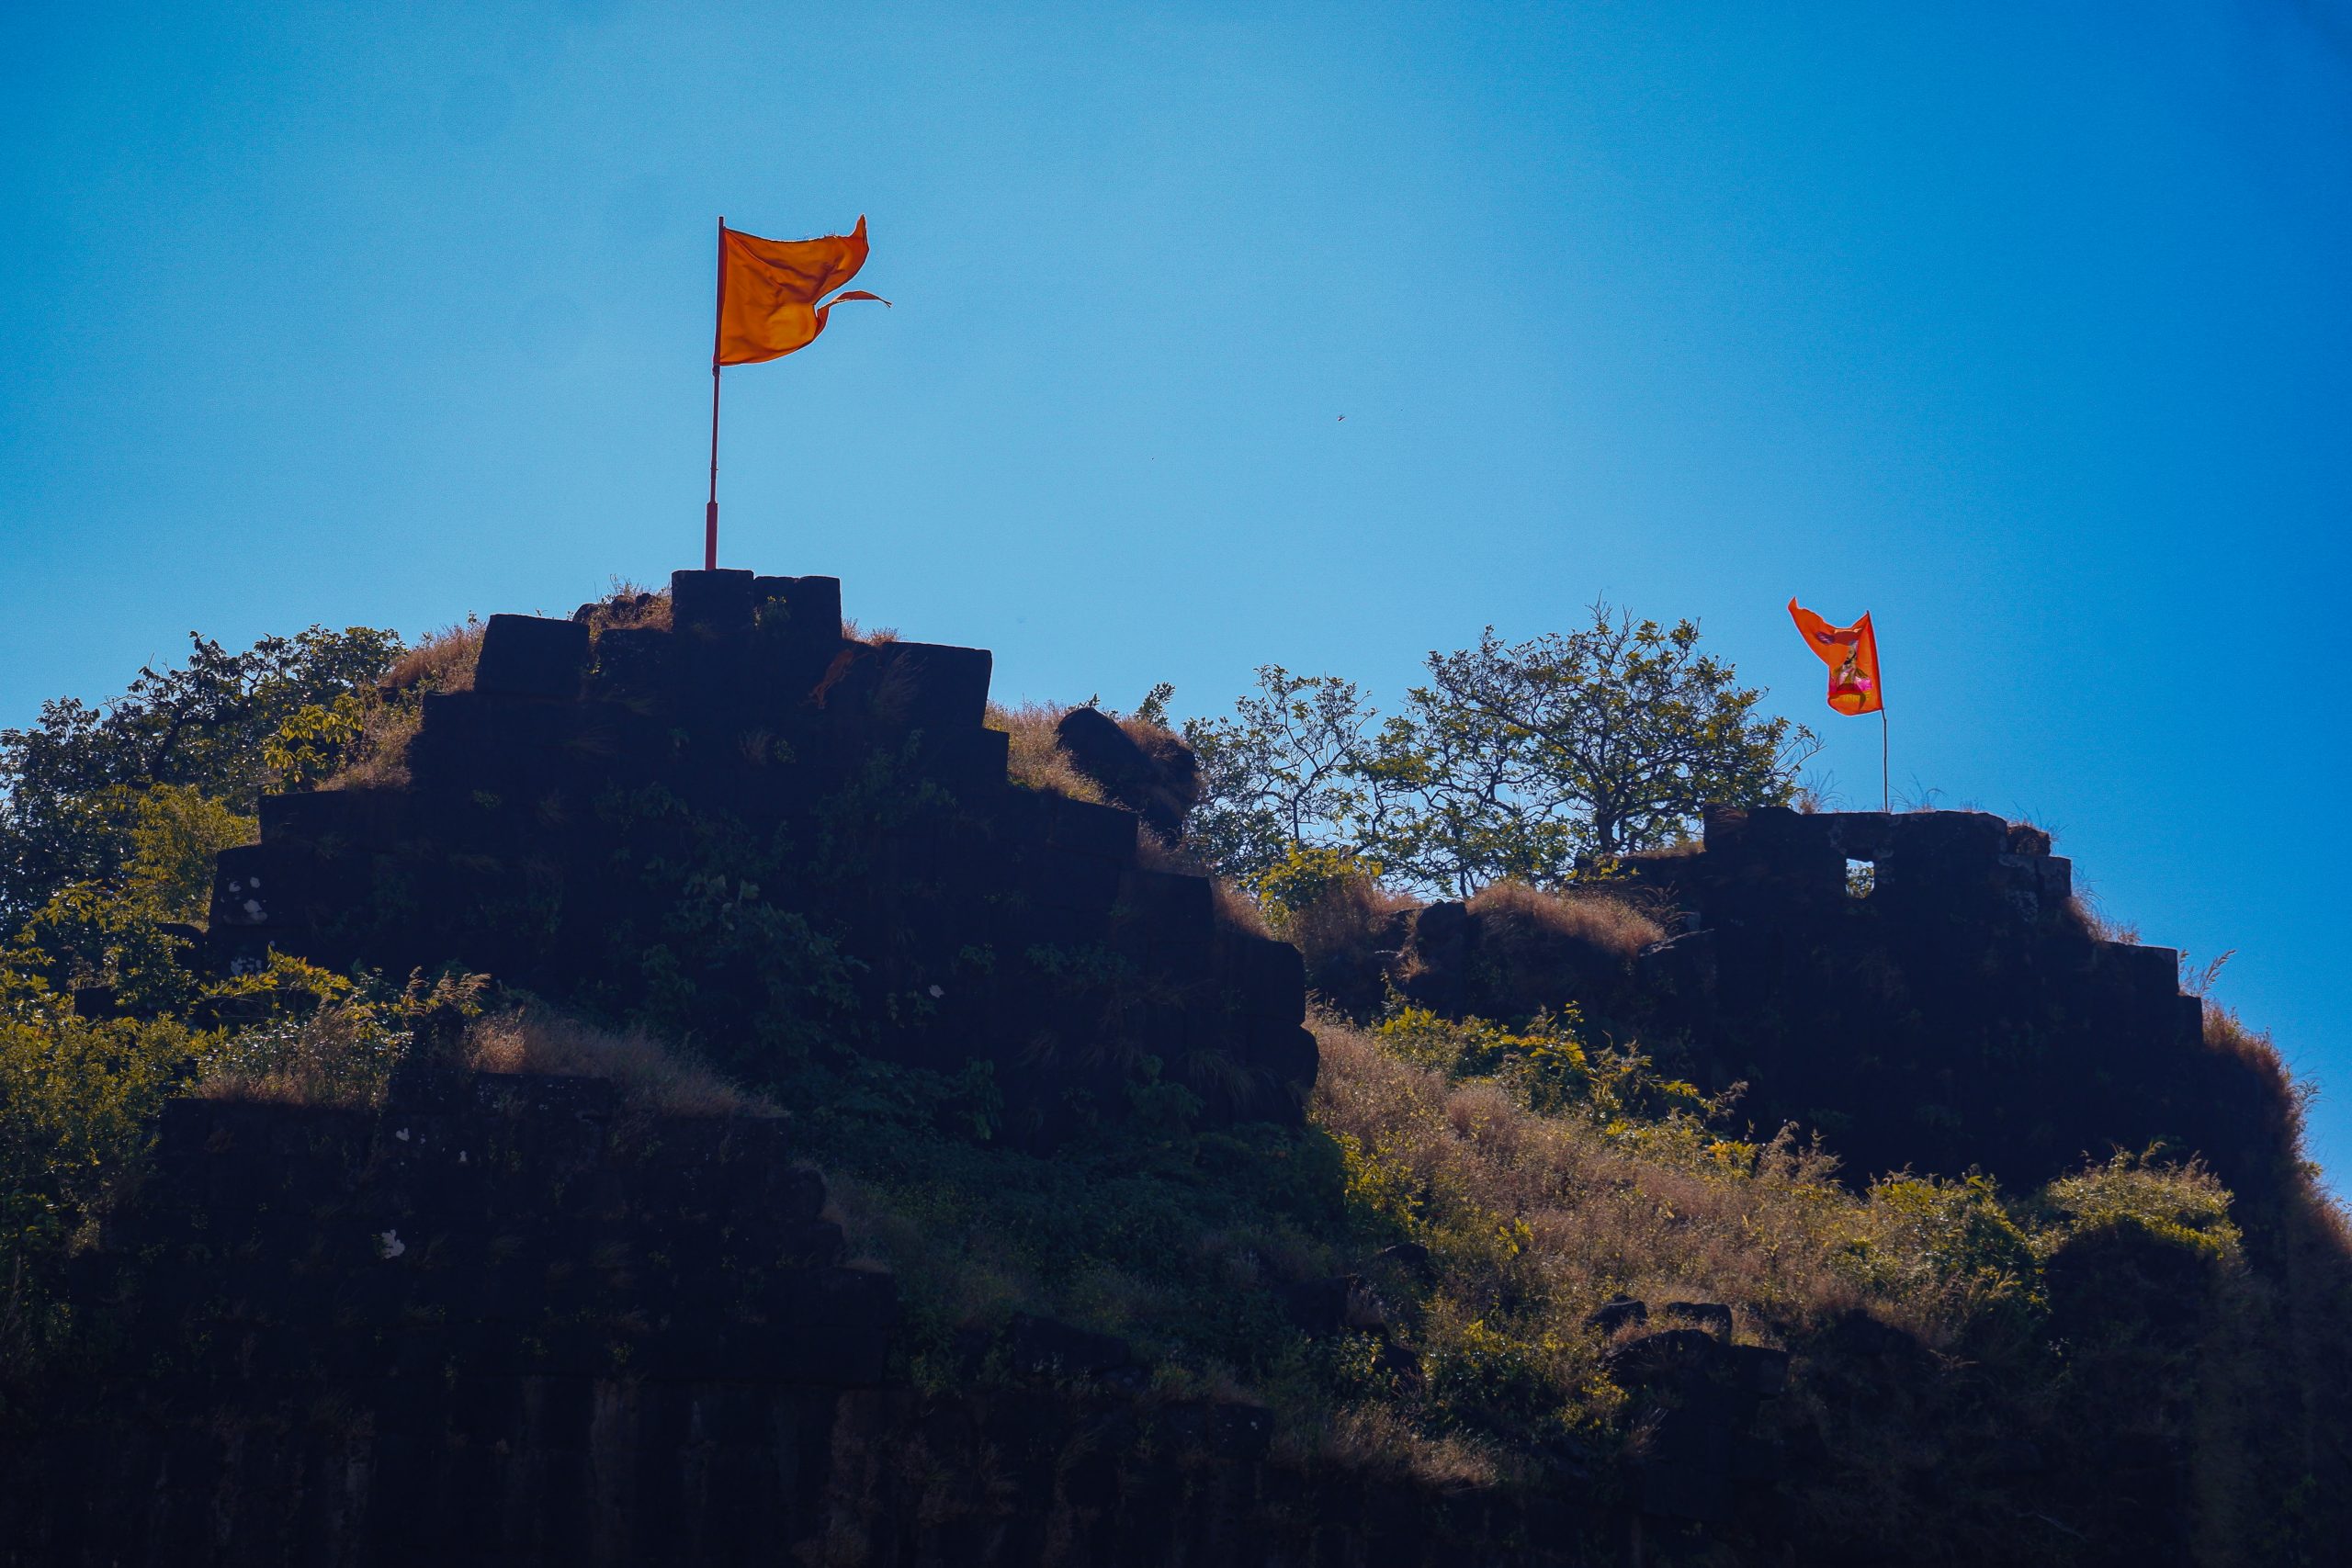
(1038, 761)
(651, 1074)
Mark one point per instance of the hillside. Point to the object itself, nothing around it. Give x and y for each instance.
(694, 1083)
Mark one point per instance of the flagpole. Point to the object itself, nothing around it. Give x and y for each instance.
(1886, 789)
(718, 317)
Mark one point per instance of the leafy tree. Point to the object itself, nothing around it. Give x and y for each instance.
(1606, 739)
(78, 1098)
(1511, 762)
(71, 783)
(174, 833)
(1286, 770)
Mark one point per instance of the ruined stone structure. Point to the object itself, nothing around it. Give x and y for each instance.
(1919, 986)
(507, 1320)
(511, 1320)
(779, 835)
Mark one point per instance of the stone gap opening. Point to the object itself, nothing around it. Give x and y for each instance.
(1861, 877)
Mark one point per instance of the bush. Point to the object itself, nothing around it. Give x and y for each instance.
(78, 1099)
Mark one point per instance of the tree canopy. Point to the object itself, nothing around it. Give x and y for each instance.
(75, 784)
(1511, 760)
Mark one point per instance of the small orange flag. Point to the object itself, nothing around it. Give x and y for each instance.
(1852, 653)
(768, 291)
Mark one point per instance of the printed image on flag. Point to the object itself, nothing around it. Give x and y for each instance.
(1852, 653)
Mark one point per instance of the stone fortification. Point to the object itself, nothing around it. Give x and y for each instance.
(510, 1320)
(767, 836)
(1921, 987)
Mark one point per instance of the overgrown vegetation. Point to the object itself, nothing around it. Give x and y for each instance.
(79, 1096)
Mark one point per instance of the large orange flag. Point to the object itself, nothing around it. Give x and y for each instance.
(768, 291)
(1852, 653)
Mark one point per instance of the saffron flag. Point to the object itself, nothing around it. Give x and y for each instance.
(1852, 653)
(769, 290)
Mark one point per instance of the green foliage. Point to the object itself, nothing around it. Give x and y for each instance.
(1502, 1380)
(313, 742)
(292, 1031)
(1509, 763)
(176, 831)
(89, 938)
(1621, 730)
(1305, 874)
(1953, 1239)
(1136, 1224)
(1153, 709)
(78, 1098)
(2181, 1204)
(68, 781)
(1283, 773)
(1549, 1068)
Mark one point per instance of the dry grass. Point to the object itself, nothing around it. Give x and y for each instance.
(874, 639)
(1594, 919)
(1673, 1213)
(651, 1074)
(442, 662)
(380, 758)
(2085, 912)
(1346, 918)
(1374, 1440)
(1237, 909)
(342, 1054)
(1168, 750)
(1038, 761)
(626, 606)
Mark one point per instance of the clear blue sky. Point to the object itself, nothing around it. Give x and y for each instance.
(2026, 328)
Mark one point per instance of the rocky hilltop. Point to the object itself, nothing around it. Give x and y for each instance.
(555, 808)
(523, 1316)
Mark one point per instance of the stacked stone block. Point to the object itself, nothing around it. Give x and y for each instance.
(1954, 1010)
(752, 707)
(503, 1320)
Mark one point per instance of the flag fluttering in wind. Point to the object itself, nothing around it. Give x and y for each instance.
(769, 290)
(1852, 653)
(769, 306)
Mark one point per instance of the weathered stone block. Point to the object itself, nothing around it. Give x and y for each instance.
(706, 604)
(1271, 978)
(335, 818)
(1085, 828)
(529, 655)
(810, 607)
(932, 687)
(632, 660)
(1712, 1317)
(259, 885)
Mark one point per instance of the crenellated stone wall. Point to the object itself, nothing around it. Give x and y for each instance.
(804, 835)
(1950, 1008)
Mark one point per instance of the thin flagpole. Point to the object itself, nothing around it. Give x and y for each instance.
(1887, 788)
(718, 317)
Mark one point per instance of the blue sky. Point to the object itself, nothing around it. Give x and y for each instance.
(2023, 327)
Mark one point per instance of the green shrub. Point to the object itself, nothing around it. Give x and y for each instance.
(78, 1099)
(2181, 1204)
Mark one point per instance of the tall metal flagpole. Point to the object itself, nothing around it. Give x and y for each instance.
(1886, 789)
(718, 317)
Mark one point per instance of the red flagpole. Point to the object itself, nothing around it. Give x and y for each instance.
(718, 317)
